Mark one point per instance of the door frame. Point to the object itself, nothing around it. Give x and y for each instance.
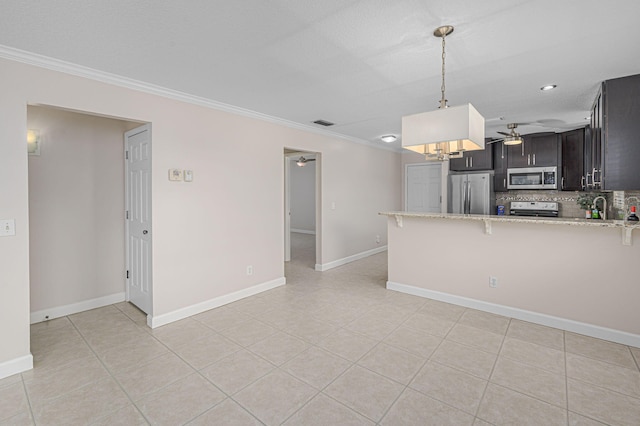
(287, 202)
(126, 221)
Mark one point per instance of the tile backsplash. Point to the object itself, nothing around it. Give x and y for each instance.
(566, 201)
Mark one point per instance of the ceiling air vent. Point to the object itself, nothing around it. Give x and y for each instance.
(324, 123)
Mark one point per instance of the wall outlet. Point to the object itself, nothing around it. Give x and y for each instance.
(493, 282)
(377, 239)
(249, 270)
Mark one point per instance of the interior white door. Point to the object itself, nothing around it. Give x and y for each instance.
(138, 216)
(423, 183)
(287, 209)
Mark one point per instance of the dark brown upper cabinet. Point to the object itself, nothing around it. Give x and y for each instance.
(537, 150)
(473, 160)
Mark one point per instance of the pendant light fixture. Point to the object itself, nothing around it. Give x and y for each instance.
(446, 132)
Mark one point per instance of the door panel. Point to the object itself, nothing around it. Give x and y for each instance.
(423, 183)
(138, 222)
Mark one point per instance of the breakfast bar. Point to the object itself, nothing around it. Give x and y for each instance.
(574, 274)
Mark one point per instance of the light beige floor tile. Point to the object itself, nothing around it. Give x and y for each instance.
(275, 397)
(222, 318)
(485, 321)
(181, 332)
(347, 344)
(158, 373)
(503, 406)
(125, 356)
(636, 355)
(13, 379)
(391, 362)
(437, 326)
(542, 384)
(237, 371)
(127, 416)
(603, 405)
(207, 350)
(133, 312)
(401, 299)
(13, 400)
(181, 401)
(323, 411)
(465, 358)
(414, 408)
(44, 388)
(371, 327)
(279, 348)
(453, 387)
(390, 313)
(368, 393)
(414, 341)
(105, 340)
(227, 413)
(251, 305)
(316, 367)
(282, 318)
(249, 332)
(51, 359)
(337, 315)
(22, 419)
(444, 310)
(538, 334)
(46, 327)
(480, 422)
(535, 355)
(472, 336)
(599, 373)
(82, 406)
(578, 420)
(311, 330)
(602, 350)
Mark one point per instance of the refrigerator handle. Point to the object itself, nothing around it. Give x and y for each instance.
(468, 197)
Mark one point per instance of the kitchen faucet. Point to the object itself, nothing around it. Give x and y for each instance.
(604, 206)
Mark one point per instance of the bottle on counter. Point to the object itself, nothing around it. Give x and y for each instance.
(587, 214)
(595, 214)
(632, 216)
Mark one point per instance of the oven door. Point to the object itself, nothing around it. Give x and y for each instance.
(532, 178)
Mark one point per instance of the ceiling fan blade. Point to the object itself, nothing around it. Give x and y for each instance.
(494, 141)
(504, 133)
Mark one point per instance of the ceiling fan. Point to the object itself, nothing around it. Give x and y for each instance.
(303, 161)
(511, 138)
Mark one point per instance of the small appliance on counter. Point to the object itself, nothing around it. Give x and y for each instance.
(534, 208)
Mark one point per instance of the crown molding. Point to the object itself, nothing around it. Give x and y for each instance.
(53, 64)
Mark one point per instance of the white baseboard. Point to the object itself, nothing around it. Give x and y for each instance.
(303, 231)
(74, 308)
(326, 266)
(15, 366)
(543, 319)
(160, 320)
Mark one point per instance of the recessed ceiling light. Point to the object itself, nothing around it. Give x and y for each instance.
(389, 138)
(548, 87)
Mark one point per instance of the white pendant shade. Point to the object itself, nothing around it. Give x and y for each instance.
(456, 129)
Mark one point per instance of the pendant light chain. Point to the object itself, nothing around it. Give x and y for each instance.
(443, 101)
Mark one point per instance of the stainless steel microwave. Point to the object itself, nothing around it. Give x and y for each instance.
(532, 178)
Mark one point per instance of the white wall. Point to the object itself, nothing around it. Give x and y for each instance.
(303, 196)
(76, 208)
(575, 273)
(205, 232)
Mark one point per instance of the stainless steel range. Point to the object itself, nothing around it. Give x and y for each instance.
(534, 208)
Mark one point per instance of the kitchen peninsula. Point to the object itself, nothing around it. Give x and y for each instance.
(574, 274)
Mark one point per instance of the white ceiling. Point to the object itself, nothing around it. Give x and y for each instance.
(360, 64)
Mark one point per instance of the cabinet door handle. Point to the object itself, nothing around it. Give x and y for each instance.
(582, 183)
(528, 159)
(504, 182)
(471, 162)
(466, 161)
(562, 183)
(534, 159)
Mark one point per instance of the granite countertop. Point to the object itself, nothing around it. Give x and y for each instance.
(520, 219)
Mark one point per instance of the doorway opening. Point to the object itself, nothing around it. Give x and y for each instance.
(302, 212)
(76, 211)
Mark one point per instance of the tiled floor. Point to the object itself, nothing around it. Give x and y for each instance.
(332, 348)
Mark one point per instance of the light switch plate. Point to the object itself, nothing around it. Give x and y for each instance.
(188, 175)
(7, 227)
(175, 174)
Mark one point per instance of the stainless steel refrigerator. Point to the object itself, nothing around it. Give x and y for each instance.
(471, 193)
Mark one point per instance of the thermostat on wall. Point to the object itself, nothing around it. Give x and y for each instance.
(175, 174)
(188, 175)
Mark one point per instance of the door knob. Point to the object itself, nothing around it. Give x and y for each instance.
(145, 232)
